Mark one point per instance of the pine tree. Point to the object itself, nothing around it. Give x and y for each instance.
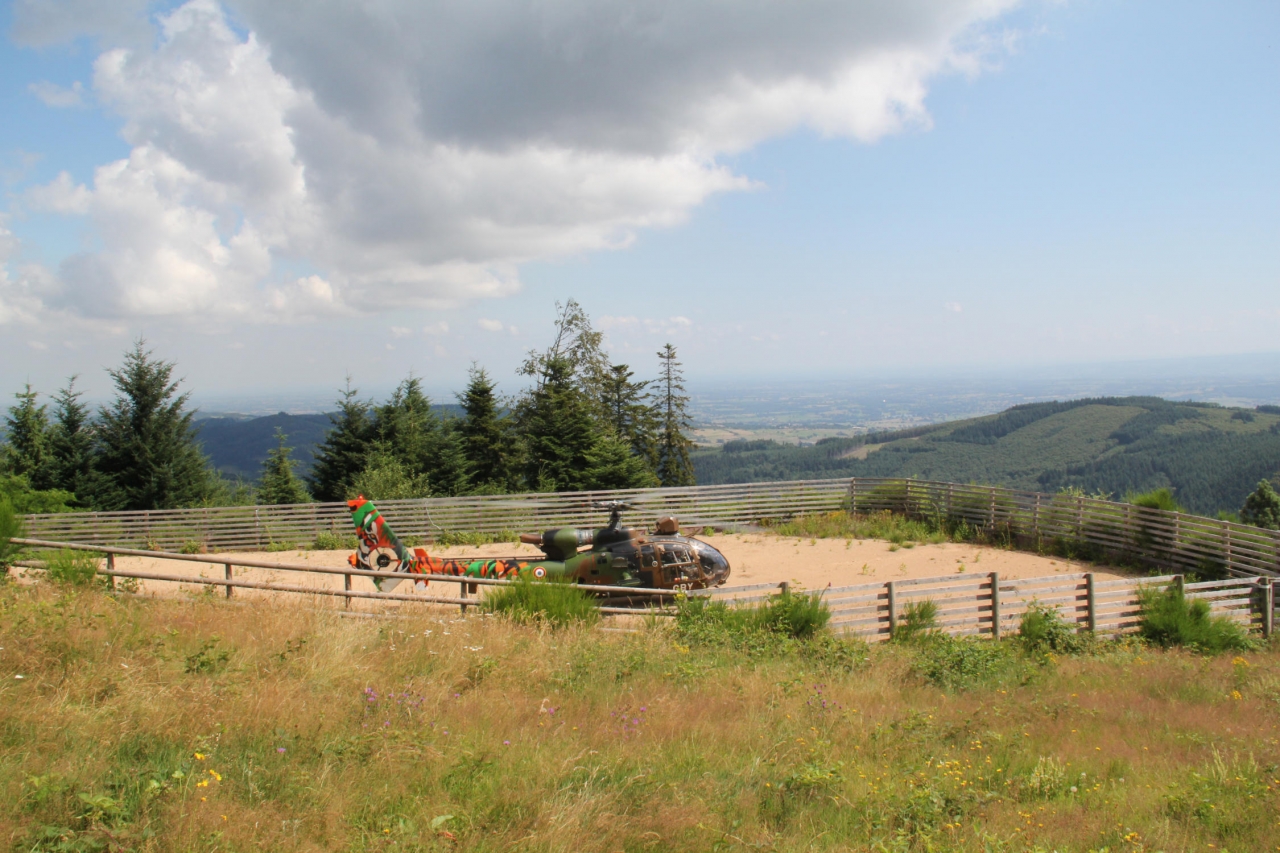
(27, 452)
(559, 430)
(413, 434)
(610, 464)
(71, 446)
(1262, 507)
(148, 456)
(279, 484)
(486, 439)
(344, 453)
(629, 415)
(670, 409)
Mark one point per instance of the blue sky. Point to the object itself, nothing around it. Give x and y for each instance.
(1035, 184)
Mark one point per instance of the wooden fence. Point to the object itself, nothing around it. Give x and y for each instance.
(1089, 528)
(1171, 542)
(978, 605)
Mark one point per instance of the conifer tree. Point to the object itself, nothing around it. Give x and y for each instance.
(559, 430)
(1262, 507)
(345, 451)
(486, 441)
(26, 452)
(629, 415)
(417, 439)
(610, 464)
(71, 446)
(148, 453)
(279, 484)
(670, 409)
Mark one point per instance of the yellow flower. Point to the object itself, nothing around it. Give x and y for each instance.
(199, 756)
(1235, 694)
(215, 774)
(203, 783)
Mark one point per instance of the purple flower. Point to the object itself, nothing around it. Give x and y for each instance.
(643, 709)
(506, 743)
(280, 749)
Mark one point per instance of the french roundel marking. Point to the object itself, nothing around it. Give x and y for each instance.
(539, 572)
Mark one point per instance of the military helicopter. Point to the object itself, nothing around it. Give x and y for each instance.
(614, 555)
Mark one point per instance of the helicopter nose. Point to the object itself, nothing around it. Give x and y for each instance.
(713, 562)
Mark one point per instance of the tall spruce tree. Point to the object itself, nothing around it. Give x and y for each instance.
(345, 451)
(629, 415)
(280, 485)
(71, 445)
(485, 435)
(26, 452)
(558, 425)
(670, 408)
(148, 455)
(413, 434)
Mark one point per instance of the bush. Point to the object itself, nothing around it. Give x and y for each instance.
(1262, 507)
(1042, 629)
(10, 528)
(948, 662)
(919, 620)
(1170, 619)
(1157, 499)
(797, 615)
(555, 603)
(73, 568)
(329, 540)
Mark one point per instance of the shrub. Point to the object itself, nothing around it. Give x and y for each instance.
(1157, 499)
(449, 538)
(1170, 619)
(555, 603)
(10, 528)
(73, 568)
(954, 663)
(1262, 507)
(798, 615)
(919, 620)
(191, 546)
(1042, 629)
(329, 540)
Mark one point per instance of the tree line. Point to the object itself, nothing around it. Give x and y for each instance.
(583, 423)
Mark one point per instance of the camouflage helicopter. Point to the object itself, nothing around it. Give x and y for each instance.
(614, 555)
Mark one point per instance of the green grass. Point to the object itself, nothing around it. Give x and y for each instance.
(202, 724)
(73, 568)
(557, 604)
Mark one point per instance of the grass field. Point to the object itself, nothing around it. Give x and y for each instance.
(133, 724)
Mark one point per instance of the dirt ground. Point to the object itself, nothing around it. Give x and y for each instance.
(754, 558)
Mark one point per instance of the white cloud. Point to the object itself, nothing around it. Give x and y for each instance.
(61, 195)
(954, 307)
(39, 23)
(418, 154)
(54, 95)
(435, 329)
(490, 325)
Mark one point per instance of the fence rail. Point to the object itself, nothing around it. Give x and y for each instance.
(1088, 527)
(979, 605)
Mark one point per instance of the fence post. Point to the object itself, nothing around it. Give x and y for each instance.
(1226, 535)
(1268, 606)
(111, 567)
(893, 607)
(1091, 599)
(995, 605)
(346, 585)
(462, 593)
(1180, 582)
(784, 587)
(227, 567)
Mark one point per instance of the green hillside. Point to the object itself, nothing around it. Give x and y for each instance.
(1211, 456)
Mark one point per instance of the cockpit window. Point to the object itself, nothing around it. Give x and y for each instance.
(713, 562)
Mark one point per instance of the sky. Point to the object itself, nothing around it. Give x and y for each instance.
(276, 194)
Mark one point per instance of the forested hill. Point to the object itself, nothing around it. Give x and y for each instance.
(1211, 456)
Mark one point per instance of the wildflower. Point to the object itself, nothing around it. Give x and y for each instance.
(216, 776)
(1235, 694)
(199, 756)
(506, 743)
(280, 749)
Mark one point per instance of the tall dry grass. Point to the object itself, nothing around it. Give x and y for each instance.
(206, 725)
